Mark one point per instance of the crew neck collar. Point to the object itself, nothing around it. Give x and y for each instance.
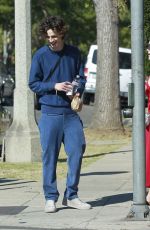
(59, 51)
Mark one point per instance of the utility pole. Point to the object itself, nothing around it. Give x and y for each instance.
(139, 209)
(22, 138)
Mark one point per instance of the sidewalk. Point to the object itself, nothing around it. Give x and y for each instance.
(106, 185)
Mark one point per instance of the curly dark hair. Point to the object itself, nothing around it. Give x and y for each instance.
(56, 23)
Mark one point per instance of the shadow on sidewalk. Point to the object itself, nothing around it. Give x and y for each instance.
(103, 173)
(3, 227)
(107, 153)
(6, 184)
(11, 210)
(4, 181)
(114, 199)
(98, 154)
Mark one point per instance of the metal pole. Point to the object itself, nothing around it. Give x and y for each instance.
(139, 209)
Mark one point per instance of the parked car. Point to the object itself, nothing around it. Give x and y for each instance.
(7, 85)
(124, 74)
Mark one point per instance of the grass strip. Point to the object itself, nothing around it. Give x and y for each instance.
(98, 145)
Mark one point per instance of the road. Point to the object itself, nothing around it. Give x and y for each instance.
(86, 115)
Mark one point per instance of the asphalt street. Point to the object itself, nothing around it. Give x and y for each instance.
(86, 115)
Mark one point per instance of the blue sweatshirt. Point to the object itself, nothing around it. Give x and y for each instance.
(44, 61)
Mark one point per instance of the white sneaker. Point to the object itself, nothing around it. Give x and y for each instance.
(50, 206)
(76, 203)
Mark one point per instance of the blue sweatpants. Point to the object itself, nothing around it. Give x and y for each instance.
(56, 129)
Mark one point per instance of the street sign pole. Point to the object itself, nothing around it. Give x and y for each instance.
(139, 209)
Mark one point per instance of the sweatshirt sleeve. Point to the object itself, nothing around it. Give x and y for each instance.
(36, 76)
(82, 79)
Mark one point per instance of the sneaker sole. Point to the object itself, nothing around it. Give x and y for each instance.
(72, 206)
(51, 211)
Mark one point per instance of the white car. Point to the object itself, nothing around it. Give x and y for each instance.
(124, 74)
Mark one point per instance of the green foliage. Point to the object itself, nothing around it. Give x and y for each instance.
(124, 24)
(1, 39)
(147, 34)
(80, 16)
(147, 20)
(147, 65)
(7, 23)
(124, 28)
(6, 13)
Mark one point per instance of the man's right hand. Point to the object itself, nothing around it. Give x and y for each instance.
(63, 86)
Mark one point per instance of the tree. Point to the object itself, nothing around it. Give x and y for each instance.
(147, 34)
(124, 23)
(80, 16)
(7, 25)
(6, 13)
(147, 20)
(107, 114)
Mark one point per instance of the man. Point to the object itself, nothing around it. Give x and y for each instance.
(58, 122)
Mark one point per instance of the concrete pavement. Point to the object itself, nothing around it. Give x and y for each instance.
(106, 185)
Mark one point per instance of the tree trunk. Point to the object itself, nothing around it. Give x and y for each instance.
(107, 115)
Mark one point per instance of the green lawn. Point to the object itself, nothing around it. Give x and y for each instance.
(98, 145)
